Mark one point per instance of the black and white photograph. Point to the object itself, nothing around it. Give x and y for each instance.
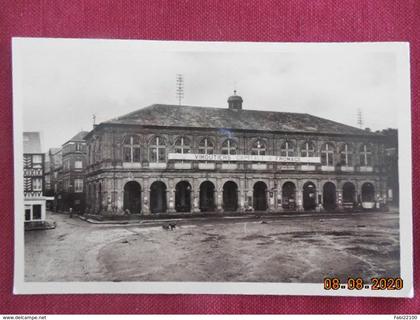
(212, 167)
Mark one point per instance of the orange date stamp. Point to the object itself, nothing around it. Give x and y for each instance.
(359, 284)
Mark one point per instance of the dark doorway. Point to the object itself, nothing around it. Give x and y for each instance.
(329, 196)
(207, 196)
(132, 197)
(158, 197)
(309, 196)
(349, 192)
(289, 196)
(27, 214)
(36, 212)
(260, 196)
(230, 196)
(368, 192)
(183, 196)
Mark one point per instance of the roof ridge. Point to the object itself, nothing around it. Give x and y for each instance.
(198, 107)
(173, 115)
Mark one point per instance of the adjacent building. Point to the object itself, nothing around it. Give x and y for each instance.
(55, 173)
(70, 189)
(391, 165)
(33, 181)
(171, 158)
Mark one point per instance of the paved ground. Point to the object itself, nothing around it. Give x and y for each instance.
(287, 249)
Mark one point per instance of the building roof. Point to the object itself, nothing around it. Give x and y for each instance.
(31, 142)
(53, 151)
(80, 136)
(210, 117)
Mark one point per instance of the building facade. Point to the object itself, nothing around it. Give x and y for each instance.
(56, 166)
(70, 188)
(33, 180)
(167, 158)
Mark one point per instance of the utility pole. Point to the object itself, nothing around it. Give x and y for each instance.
(179, 87)
(94, 119)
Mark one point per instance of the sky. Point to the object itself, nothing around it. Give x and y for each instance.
(63, 83)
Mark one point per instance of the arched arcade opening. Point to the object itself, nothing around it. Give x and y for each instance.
(183, 196)
(329, 196)
(158, 197)
(132, 197)
(289, 196)
(309, 196)
(260, 196)
(349, 195)
(230, 196)
(207, 190)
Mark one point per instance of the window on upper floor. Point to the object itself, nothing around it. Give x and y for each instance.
(258, 148)
(365, 156)
(307, 149)
(66, 164)
(97, 150)
(36, 161)
(89, 154)
(78, 164)
(157, 150)
(229, 147)
(346, 156)
(327, 155)
(287, 149)
(131, 149)
(36, 184)
(37, 158)
(78, 185)
(79, 146)
(182, 145)
(206, 146)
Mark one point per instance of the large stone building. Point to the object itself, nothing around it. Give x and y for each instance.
(169, 158)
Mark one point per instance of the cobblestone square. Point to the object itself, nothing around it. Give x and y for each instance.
(288, 248)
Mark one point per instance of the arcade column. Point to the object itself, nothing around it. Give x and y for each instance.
(299, 195)
(195, 199)
(339, 199)
(170, 200)
(219, 200)
(146, 203)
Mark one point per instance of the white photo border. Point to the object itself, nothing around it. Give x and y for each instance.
(401, 49)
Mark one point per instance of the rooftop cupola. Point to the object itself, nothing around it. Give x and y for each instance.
(235, 102)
